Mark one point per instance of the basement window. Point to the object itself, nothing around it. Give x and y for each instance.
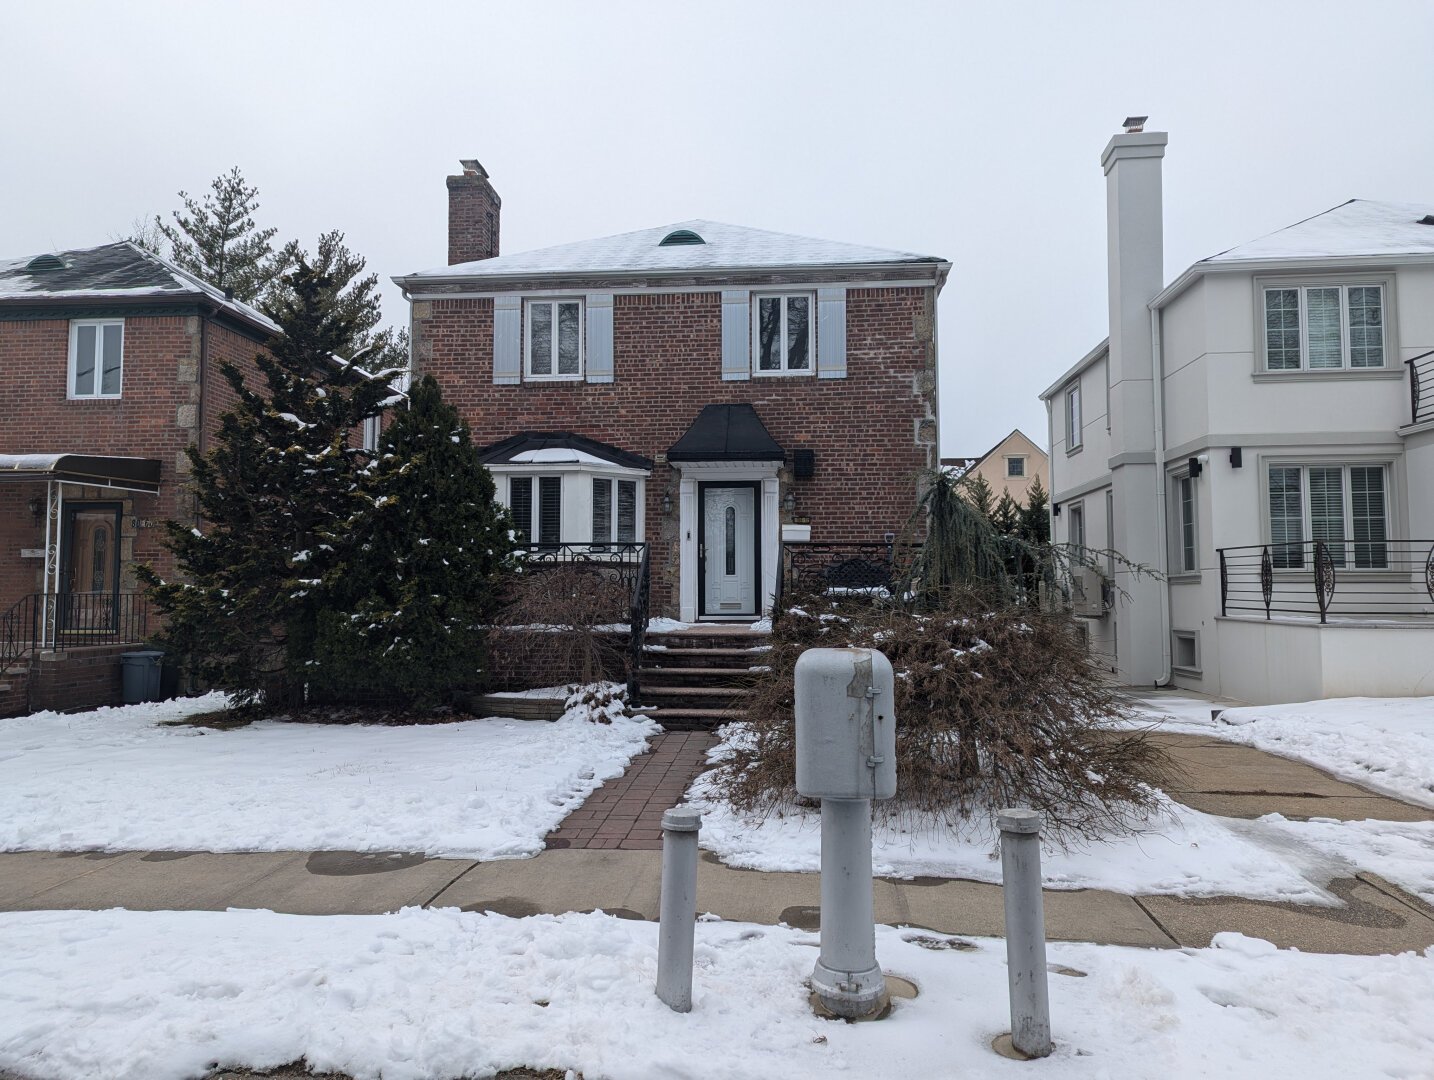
(1186, 656)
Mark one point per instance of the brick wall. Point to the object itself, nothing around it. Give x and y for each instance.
(872, 431)
(521, 662)
(77, 679)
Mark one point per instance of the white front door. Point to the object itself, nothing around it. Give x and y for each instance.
(729, 516)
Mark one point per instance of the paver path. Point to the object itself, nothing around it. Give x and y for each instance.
(627, 812)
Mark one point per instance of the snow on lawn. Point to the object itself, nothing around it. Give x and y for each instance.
(1386, 744)
(422, 994)
(120, 779)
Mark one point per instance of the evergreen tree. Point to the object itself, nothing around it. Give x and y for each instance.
(280, 473)
(424, 548)
(1035, 523)
(216, 239)
(976, 490)
(1007, 515)
(353, 296)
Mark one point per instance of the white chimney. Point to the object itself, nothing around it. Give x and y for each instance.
(1136, 269)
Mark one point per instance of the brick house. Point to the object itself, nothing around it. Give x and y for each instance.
(714, 391)
(111, 362)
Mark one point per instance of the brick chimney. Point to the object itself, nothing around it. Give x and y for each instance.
(473, 213)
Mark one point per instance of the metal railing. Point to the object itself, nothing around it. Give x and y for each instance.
(1421, 387)
(69, 620)
(847, 566)
(1364, 579)
(625, 562)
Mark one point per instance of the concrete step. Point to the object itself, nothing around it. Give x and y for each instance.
(684, 719)
(696, 676)
(672, 656)
(695, 697)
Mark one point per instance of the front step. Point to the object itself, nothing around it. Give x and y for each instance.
(719, 698)
(665, 656)
(697, 676)
(697, 680)
(673, 719)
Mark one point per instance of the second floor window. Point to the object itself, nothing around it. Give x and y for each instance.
(96, 358)
(553, 347)
(1016, 466)
(784, 334)
(1324, 327)
(1073, 420)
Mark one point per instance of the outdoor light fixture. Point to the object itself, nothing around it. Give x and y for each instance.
(1237, 459)
(666, 503)
(789, 502)
(37, 509)
(1055, 509)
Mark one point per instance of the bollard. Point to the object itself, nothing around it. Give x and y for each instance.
(678, 913)
(1025, 931)
(847, 979)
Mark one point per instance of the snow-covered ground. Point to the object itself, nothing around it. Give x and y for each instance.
(120, 779)
(119, 995)
(1386, 744)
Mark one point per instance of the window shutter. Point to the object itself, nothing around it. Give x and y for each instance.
(831, 333)
(507, 339)
(599, 337)
(520, 504)
(550, 509)
(736, 335)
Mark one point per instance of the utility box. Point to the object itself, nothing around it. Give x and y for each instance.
(846, 724)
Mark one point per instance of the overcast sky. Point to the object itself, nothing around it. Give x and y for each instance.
(972, 132)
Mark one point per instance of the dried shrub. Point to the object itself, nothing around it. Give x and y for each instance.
(996, 706)
(561, 610)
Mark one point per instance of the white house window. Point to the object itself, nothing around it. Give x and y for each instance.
(1344, 506)
(784, 334)
(537, 520)
(96, 357)
(1187, 559)
(1075, 531)
(1324, 327)
(1073, 420)
(614, 510)
(372, 427)
(1016, 466)
(553, 347)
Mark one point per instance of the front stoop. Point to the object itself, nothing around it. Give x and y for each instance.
(694, 680)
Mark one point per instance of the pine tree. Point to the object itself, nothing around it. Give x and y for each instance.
(425, 547)
(1035, 525)
(353, 296)
(1007, 515)
(216, 239)
(279, 475)
(976, 490)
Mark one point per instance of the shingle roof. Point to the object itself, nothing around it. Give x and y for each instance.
(727, 433)
(117, 271)
(725, 247)
(1359, 227)
(557, 447)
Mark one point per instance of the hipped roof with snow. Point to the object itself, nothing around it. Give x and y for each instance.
(113, 276)
(1359, 227)
(558, 448)
(654, 251)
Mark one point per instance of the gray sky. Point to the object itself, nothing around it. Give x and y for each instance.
(967, 131)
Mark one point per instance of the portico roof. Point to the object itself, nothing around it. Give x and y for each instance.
(129, 473)
(727, 433)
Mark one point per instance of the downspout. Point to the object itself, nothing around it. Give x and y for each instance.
(1157, 384)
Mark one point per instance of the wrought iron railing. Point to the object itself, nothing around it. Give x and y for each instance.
(1421, 387)
(1363, 579)
(627, 563)
(69, 620)
(846, 566)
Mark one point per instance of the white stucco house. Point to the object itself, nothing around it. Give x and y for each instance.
(1261, 432)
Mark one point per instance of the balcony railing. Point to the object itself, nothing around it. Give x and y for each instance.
(70, 620)
(1349, 579)
(1421, 387)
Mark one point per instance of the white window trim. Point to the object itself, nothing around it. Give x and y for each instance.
(1075, 420)
(1178, 568)
(613, 512)
(1195, 670)
(528, 303)
(75, 324)
(756, 314)
(1075, 511)
(1304, 464)
(1344, 282)
(1022, 475)
(576, 522)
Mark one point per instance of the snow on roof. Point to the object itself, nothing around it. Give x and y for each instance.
(1359, 227)
(121, 270)
(723, 247)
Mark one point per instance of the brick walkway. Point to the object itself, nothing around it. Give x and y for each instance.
(627, 812)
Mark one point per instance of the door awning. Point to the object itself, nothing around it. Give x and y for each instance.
(127, 473)
(727, 433)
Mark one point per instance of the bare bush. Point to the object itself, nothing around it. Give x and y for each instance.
(560, 611)
(996, 706)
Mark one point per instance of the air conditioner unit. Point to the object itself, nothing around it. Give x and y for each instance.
(1090, 595)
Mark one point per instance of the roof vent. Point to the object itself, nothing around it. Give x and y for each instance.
(681, 237)
(1134, 125)
(45, 262)
(1427, 219)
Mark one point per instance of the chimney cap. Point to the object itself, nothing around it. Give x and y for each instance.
(471, 167)
(1133, 124)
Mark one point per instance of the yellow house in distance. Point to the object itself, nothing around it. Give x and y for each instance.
(1010, 466)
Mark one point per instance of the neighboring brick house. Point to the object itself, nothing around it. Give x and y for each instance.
(710, 389)
(110, 361)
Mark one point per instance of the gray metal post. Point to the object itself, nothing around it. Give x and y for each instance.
(678, 913)
(846, 978)
(1025, 931)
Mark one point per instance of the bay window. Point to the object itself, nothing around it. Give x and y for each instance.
(1343, 506)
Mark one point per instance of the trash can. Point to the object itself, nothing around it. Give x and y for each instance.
(140, 675)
